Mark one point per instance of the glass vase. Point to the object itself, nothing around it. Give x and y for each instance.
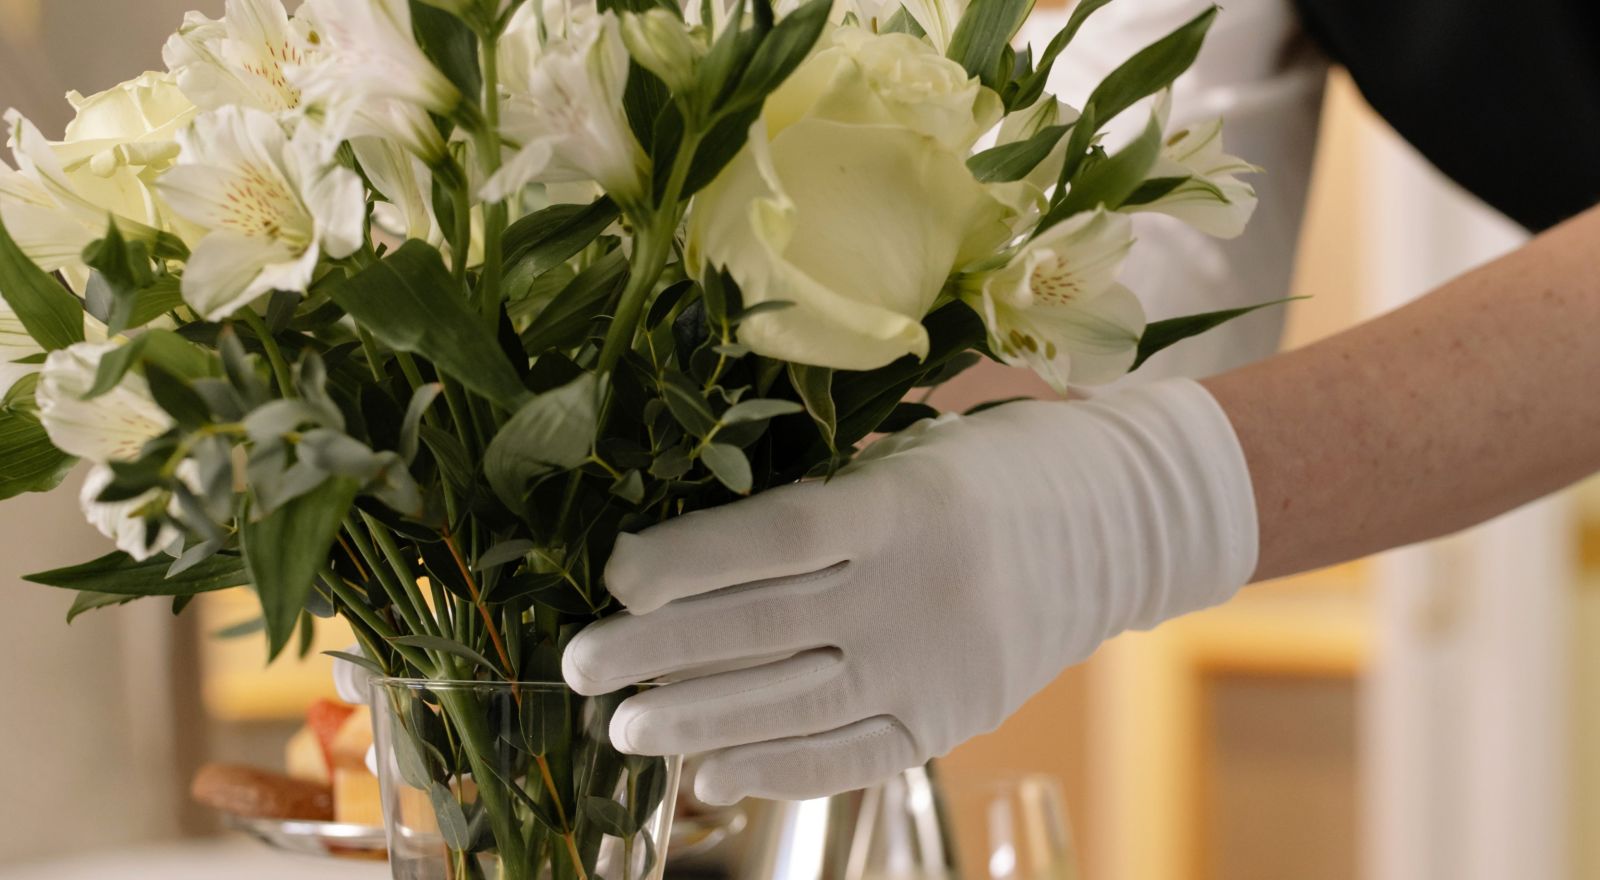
(500, 781)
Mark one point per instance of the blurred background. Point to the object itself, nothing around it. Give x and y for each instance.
(1429, 714)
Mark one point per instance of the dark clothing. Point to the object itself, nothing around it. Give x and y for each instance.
(1502, 95)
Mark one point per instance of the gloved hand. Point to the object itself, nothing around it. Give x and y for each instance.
(823, 636)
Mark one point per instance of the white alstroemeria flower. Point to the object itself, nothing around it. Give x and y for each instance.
(242, 59)
(54, 203)
(15, 345)
(1057, 308)
(113, 426)
(938, 18)
(368, 52)
(563, 103)
(273, 206)
(121, 520)
(407, 184)
(663, 45)
(1212, 200)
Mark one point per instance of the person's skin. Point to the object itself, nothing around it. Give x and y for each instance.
(1475, 399)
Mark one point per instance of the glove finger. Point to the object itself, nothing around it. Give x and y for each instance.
(351, 681)
(854, 756)
(788, 531)
(797, 696)
(763, 620)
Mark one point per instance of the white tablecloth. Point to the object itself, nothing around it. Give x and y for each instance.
(222, 859)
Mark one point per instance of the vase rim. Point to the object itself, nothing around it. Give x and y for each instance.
(462, 683)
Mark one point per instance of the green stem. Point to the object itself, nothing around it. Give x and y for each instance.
(652, 247)
(402, 571)
(280, 367)
(495, 214)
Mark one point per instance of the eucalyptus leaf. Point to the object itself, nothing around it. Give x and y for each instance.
(503, 553)
(815, 387)
(609, 816)
(553, 431)
(760, 410)
(451, 818)
(729, 465)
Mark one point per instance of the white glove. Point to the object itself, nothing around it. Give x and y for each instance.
(824, 636)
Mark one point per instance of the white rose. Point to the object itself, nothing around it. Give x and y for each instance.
(895, 79)
(852, 201)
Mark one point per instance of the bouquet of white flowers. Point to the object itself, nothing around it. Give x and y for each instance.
(403, 311)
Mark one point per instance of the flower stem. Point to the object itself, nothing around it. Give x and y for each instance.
(652, 247)
(494, 214)
(280, 367)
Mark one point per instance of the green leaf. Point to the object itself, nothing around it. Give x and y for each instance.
(502, 553)
(155, 299)
(124, 269)
(815, 387)
(285, 550)
(566, 320)
(446, 646)
(729, 465)
(671, 464)
(1032, 87)
(1109, 182)
(87, 601)
(1150, 70)
(687, 404)
(48, 311)
(780, 52)
(609, 816)
(1160, 335)
(983, 34)
(452, 819)
(411, 303)
(759, 411)
(360, 660)
(554, 431)
(179, 400)
(164, 347)
(451, 45)
(1016, 160)
(421, 399)
(905, 415)
(629, 487)
(545, 239)
(121, 575)
(29, 462)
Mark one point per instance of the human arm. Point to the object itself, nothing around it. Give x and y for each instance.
(1473, 400)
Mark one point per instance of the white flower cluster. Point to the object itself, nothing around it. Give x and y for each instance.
(275, 146)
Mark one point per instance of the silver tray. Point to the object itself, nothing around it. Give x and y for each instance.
(691, 835)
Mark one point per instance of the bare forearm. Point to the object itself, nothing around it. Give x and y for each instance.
(1481, 396)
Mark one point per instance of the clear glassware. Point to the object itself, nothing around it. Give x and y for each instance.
(1012, 828)
(932, 826)
(495, 781)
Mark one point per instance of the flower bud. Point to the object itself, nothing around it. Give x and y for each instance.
(663, 45)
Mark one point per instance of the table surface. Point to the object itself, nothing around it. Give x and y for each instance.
(235, 858)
